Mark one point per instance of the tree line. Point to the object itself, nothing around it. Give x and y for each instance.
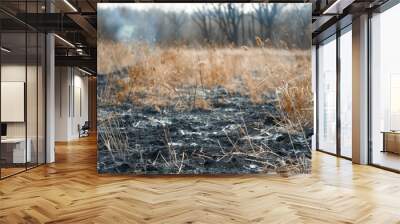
(222, 24)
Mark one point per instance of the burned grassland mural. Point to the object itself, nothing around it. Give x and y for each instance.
(220, 88)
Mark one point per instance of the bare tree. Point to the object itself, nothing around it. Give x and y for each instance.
(251, 27)
(303, 25)
(243, 31)
(217, 24)
(176, 20)
(228, 17)
(203, 18)
(266, 15)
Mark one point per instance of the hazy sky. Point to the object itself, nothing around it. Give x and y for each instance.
(187, 7)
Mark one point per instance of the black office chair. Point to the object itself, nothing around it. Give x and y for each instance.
(84, 130)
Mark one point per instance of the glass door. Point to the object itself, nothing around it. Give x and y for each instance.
(327, 96)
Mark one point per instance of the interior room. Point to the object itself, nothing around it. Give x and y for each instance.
(108, 114)
(25, 64)
(72, 112)
(385, 89)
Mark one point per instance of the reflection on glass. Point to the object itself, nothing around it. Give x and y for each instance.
(31, 100)
(327, 96)
(346, 94)
(14, 153)
(22, 92)
(41, 99)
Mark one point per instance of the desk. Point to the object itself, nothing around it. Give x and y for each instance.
(391, 141)
(13, 150)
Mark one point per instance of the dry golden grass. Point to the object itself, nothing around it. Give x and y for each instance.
(181, 76)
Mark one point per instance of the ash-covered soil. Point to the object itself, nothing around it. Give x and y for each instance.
(234, 136)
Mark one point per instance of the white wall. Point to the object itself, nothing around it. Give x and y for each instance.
(79, 117)
(14, 73)
(70, 83)
(62, 81)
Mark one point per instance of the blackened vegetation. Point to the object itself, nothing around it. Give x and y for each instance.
(233, 136)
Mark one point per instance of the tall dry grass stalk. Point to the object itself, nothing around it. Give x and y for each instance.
(180, 76)
(115, 141)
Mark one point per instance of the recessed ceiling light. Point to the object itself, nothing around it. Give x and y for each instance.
(337, 7)
(5, 50)
(84, 71)
(70, 5)
(65, 41)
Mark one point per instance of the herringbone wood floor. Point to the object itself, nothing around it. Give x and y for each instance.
(70, 191)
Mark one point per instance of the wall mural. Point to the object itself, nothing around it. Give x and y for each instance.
(217, 88)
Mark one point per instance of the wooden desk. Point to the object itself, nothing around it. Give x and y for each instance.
(13, 150)
(391, 141)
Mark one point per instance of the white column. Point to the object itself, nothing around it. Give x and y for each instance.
(314, 89)
(50, 100)
(50, 92)
(360, 90)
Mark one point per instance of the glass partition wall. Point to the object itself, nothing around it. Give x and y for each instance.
(334, 105)
(334, 93)
(385, 89)
(22, 98)
(345, 61)
(327, 95)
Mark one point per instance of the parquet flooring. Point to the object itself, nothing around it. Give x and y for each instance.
(71, 191)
